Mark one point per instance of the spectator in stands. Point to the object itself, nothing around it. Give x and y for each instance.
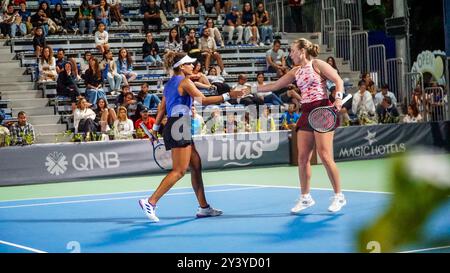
(123, 126)
(84, 62)
(181, 8)
(104, 116)
(22, 132)
(94, 82)
(199, 79)
(276, 60)
(251, 34)
(101, 38)
(214, 123)
(231, 124)
(40, 20)
(198, 126)
(130, 103)
(213, 32)
(296, 14)
(266, 122)
(116, 15)
(152, 16)
(84, 118)
(173, 42)
(46, 8)
(85, 17)
(233, 23)
(370, 84)
(16, 22)
(249, 125)
(66, 84)
(151, 101)
(267, 97)
(39, 42)
(125, 66)
(289, 118)
(222, 4)
(110, 72)
(387, 112)
(47, 65)
(218, 81)
(182, 28)
(102, 13)
(413, 115)
(146, 119)
(331, 61)
(26, 16)
(150, 50)
(60, 18)
(363, 105)
(208, 48)
(61, 61)
(418, 98)
(191, 45)
(264, 24)
(166, 6)
(248, 98)
(121, 97)
(385, 92)
(5, 136)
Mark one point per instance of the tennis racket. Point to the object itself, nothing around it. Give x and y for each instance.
(162, 157)
(323, 119)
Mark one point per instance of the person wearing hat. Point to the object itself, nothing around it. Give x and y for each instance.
(233, 23)
(177, 101)
(145, 118)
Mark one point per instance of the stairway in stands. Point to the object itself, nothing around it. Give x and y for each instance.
(20, 91)
(344, 66)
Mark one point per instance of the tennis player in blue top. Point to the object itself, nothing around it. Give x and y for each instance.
(179, 93)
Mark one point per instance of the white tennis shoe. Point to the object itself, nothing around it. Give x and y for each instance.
(208, 212)
(149, 210)
(337, 202)
(304, 202)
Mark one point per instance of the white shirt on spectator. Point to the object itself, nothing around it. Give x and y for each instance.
(379, 98)
(82, 114)
(364, 101)
(123, 129)
(101, 38)
(411, 119)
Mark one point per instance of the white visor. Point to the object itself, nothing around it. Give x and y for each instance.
(186, 60)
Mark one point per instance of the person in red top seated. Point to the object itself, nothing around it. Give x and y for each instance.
(146, 119)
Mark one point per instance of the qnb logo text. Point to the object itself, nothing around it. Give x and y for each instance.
(57, 164)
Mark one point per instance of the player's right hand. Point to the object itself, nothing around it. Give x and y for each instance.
(236, 94)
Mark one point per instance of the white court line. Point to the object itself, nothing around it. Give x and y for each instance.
(97, 194)
(320, 189)
(425, 249)
(22, 247)
(119, 198)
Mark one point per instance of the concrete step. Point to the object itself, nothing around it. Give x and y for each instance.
(6, 64)
(6, 57)
(34, 102)
(18, 86)
(47, 119)
(47, 137)
(19, 71)
(49, 128)
(20, 94)
(15, 78)
(32, 111)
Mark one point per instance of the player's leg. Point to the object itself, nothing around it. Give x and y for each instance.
(324, 144)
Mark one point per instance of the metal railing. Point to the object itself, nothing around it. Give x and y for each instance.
(344, 39)
(377, 63)
(447, 84)
(360, 51)
(347, 9)
(328, 27)
(395, 70)
(434, 104)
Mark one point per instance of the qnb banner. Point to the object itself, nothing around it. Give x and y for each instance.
(378, 141)
(43, 163)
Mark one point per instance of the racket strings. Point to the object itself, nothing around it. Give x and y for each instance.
(322, 119)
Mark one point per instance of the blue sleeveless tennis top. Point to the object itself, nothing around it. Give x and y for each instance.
(176, 105)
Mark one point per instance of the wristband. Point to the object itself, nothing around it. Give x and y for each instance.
(226, 96)
(339, 95)
(155, 127)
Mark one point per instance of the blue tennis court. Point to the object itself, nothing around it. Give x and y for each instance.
(256, 219)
